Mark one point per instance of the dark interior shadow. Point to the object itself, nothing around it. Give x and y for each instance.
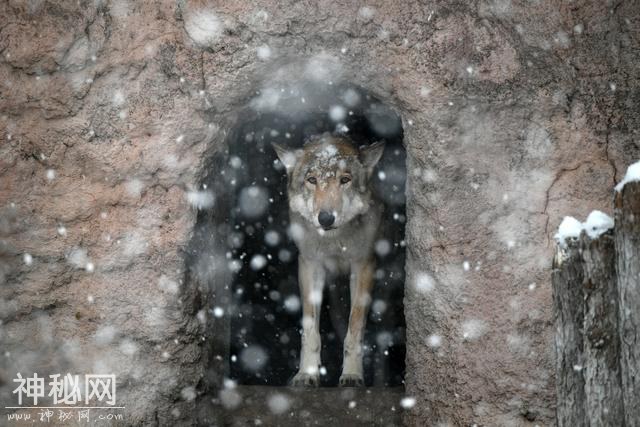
(264, 308)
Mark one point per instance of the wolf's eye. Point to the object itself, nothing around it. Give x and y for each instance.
(345, 179)
(312, 180)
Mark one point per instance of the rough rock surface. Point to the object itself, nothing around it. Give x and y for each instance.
(515, 114)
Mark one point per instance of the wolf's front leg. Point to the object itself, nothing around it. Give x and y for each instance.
(311, 277)
(361, 283)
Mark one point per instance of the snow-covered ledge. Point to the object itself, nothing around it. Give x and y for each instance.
(596, 301)
(570, 229)
(632, 175)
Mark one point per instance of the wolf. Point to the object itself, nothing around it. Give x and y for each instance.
(334, 221)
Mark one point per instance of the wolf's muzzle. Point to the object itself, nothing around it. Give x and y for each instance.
(326, 219)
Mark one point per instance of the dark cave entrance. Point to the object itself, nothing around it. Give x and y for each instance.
(261, 309)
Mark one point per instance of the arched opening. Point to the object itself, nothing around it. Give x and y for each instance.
(255, 304)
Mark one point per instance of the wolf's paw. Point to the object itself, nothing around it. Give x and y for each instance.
(302, 379)
(351, 380)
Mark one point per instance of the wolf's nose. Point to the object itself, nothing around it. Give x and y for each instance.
(326, 219)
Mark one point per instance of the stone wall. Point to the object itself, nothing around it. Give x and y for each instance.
(515, 114)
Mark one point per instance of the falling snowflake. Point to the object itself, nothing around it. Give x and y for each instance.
(254, 201)
(203, 27)
(278, 403)
(258, 262)
(201, 199)
(28, 259)
(408, 402)
(424, 282)
(292, 303)
(337, 113)
(253, 358)
(473, 329)
(434, 341)
(263, 52)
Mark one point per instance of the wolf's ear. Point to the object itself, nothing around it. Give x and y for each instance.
(287, 156)
(370, 155)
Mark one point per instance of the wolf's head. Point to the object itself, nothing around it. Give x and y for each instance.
(329, 179)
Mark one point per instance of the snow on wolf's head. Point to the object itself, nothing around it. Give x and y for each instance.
(329, 179)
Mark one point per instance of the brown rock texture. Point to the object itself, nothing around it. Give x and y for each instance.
(515, 113)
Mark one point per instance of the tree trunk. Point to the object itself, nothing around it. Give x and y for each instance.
(627, 239)
(567, 278)
(603, 390)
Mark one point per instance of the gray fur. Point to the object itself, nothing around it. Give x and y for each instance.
(345, 247)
